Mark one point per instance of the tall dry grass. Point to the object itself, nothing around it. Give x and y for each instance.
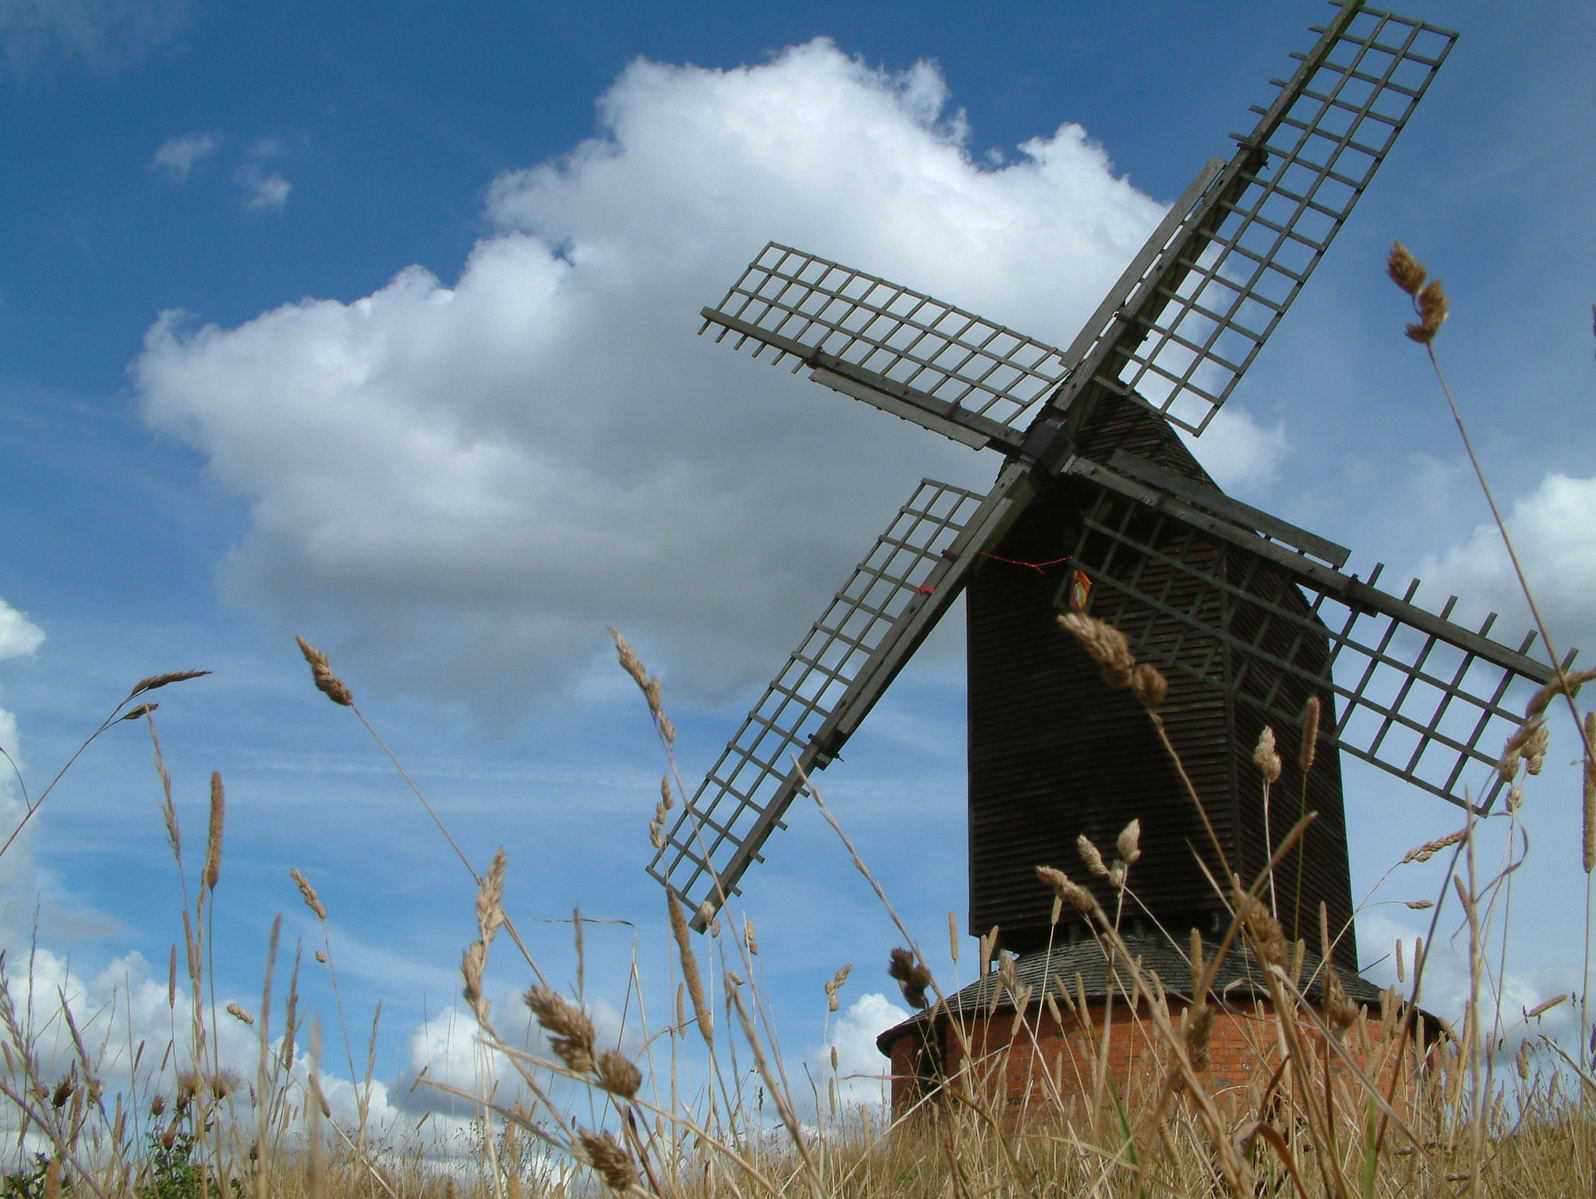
(666, 1108)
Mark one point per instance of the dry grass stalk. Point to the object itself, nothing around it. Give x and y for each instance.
(1064, 890)
(1106, 645)
(835, 985)
(911, 975)
(1429, 298)
(1091, 857)
(162, 680)
(1423, 853)
(1310, 733)
(1128, 844)
(1264, 755)
(1568, 685)
(571, 1032)
(617, 1074)
(647, 683)
(239, 1012)
(490, 898)
(312, 900)
(213, 838)
(327, 682)
(689, 963)
(1588, 808)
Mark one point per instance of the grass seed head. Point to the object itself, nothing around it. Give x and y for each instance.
(911, 975)
(613, 1163)
(326, 681)
(1066, 891)
(617, 1074)
(835, 985)
(1090, 856)
(1404, 269)
(1310, 733)
(1128, 845)
(571, 1032)
(239, 1012)
(161, 680)
(213, 840)
(1106, 645)
(312, 900)
(1264, 755)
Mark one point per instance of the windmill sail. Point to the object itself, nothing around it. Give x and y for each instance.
(1416, 694)
(1181, 335)
(718, 834)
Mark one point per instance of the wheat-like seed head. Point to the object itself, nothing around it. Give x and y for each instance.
(1568, 685)
(1588, 807)
(1310, 733)
(1064, 890)
(312, 900)
(490, 898)
(911, 975)
(1423, 853)
(1404, 269)
(1339, 1011)
(321, 672)
(472, 963)
(213, 839)
(571, 1032)
(1263, 931)
(1128, 844)
(1090, 856)
(612, 1162)
(161, 680)
(1106, 645)
(617, 1074)
(1264, 755)
(835, 985)
(1149, 684)
(690, 975)
(239, 1012)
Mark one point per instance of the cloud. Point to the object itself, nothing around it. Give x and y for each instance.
(38, 38)
(264, 191)
(19, 636)
(470, 480)
(178, 156)
(1238, 452)
(1549, 527)
(860, 1076)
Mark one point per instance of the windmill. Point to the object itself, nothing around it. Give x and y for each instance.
(1099, 505)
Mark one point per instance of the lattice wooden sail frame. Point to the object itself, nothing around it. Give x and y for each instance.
(716, 835)
(1189, 314)
(1415, 693)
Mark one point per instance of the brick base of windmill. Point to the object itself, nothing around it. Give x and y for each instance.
(1044, 1054)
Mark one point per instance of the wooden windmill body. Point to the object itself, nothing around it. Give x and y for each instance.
(1247, 616)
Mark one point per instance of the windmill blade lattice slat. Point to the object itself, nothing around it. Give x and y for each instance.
(1415, 694)
(1220, 285)
(906, 343)
(741, 800)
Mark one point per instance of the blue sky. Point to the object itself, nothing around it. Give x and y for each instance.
(376, 324)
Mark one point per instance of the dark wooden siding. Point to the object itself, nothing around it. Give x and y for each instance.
(1055, 752)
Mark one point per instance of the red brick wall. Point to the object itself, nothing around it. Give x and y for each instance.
(1043, 1061)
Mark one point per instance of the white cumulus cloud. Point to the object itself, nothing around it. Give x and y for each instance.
(19, 636)
(861, 1075)
(178, 156)
(264, 190)
(1554, 531)
(471, 478)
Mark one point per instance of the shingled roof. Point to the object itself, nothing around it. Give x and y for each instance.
(1240, 978)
